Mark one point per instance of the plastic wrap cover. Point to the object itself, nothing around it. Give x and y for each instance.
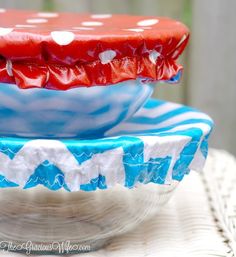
(65, 50)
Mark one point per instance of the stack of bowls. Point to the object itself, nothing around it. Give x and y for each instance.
(85, 153)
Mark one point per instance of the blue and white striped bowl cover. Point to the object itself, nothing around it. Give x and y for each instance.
(162, 142)
(80, 112)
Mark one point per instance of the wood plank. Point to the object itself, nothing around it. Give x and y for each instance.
(110, 6)
(212, 67)
(159, 7)
(71, 5)
(21, 4)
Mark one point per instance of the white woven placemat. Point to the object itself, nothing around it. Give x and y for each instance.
(200, 220)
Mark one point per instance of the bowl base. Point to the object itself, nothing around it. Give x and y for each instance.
(40, 221)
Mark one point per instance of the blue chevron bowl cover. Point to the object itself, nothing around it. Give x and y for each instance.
(79, 112)
(160, 144)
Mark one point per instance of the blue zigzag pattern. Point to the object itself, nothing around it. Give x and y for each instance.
(136, 170)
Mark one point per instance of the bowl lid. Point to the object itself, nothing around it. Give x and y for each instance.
(66, 50)
(160, 144)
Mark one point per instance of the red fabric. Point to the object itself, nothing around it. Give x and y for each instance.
(64, 50)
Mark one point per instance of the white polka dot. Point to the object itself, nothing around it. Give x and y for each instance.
(25, 26)
(107, 56)
(47, 15)
(2, 10)
(135, 30)
(153, 56)
(182, 40)
(101, 16)
(63, 37)
(149, 22)
(83, 28)
(5, 31)
(37, 21)
(92, 23)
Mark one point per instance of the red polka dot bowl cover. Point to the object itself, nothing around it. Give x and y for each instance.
(80, 52)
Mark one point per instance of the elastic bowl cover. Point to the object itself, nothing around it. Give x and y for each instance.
(75, 113)
(65, 50)
(160, 144)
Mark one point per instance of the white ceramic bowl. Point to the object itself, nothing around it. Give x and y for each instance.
(80, 112)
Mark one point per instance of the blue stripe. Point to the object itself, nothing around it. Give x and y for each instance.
(159, 119)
